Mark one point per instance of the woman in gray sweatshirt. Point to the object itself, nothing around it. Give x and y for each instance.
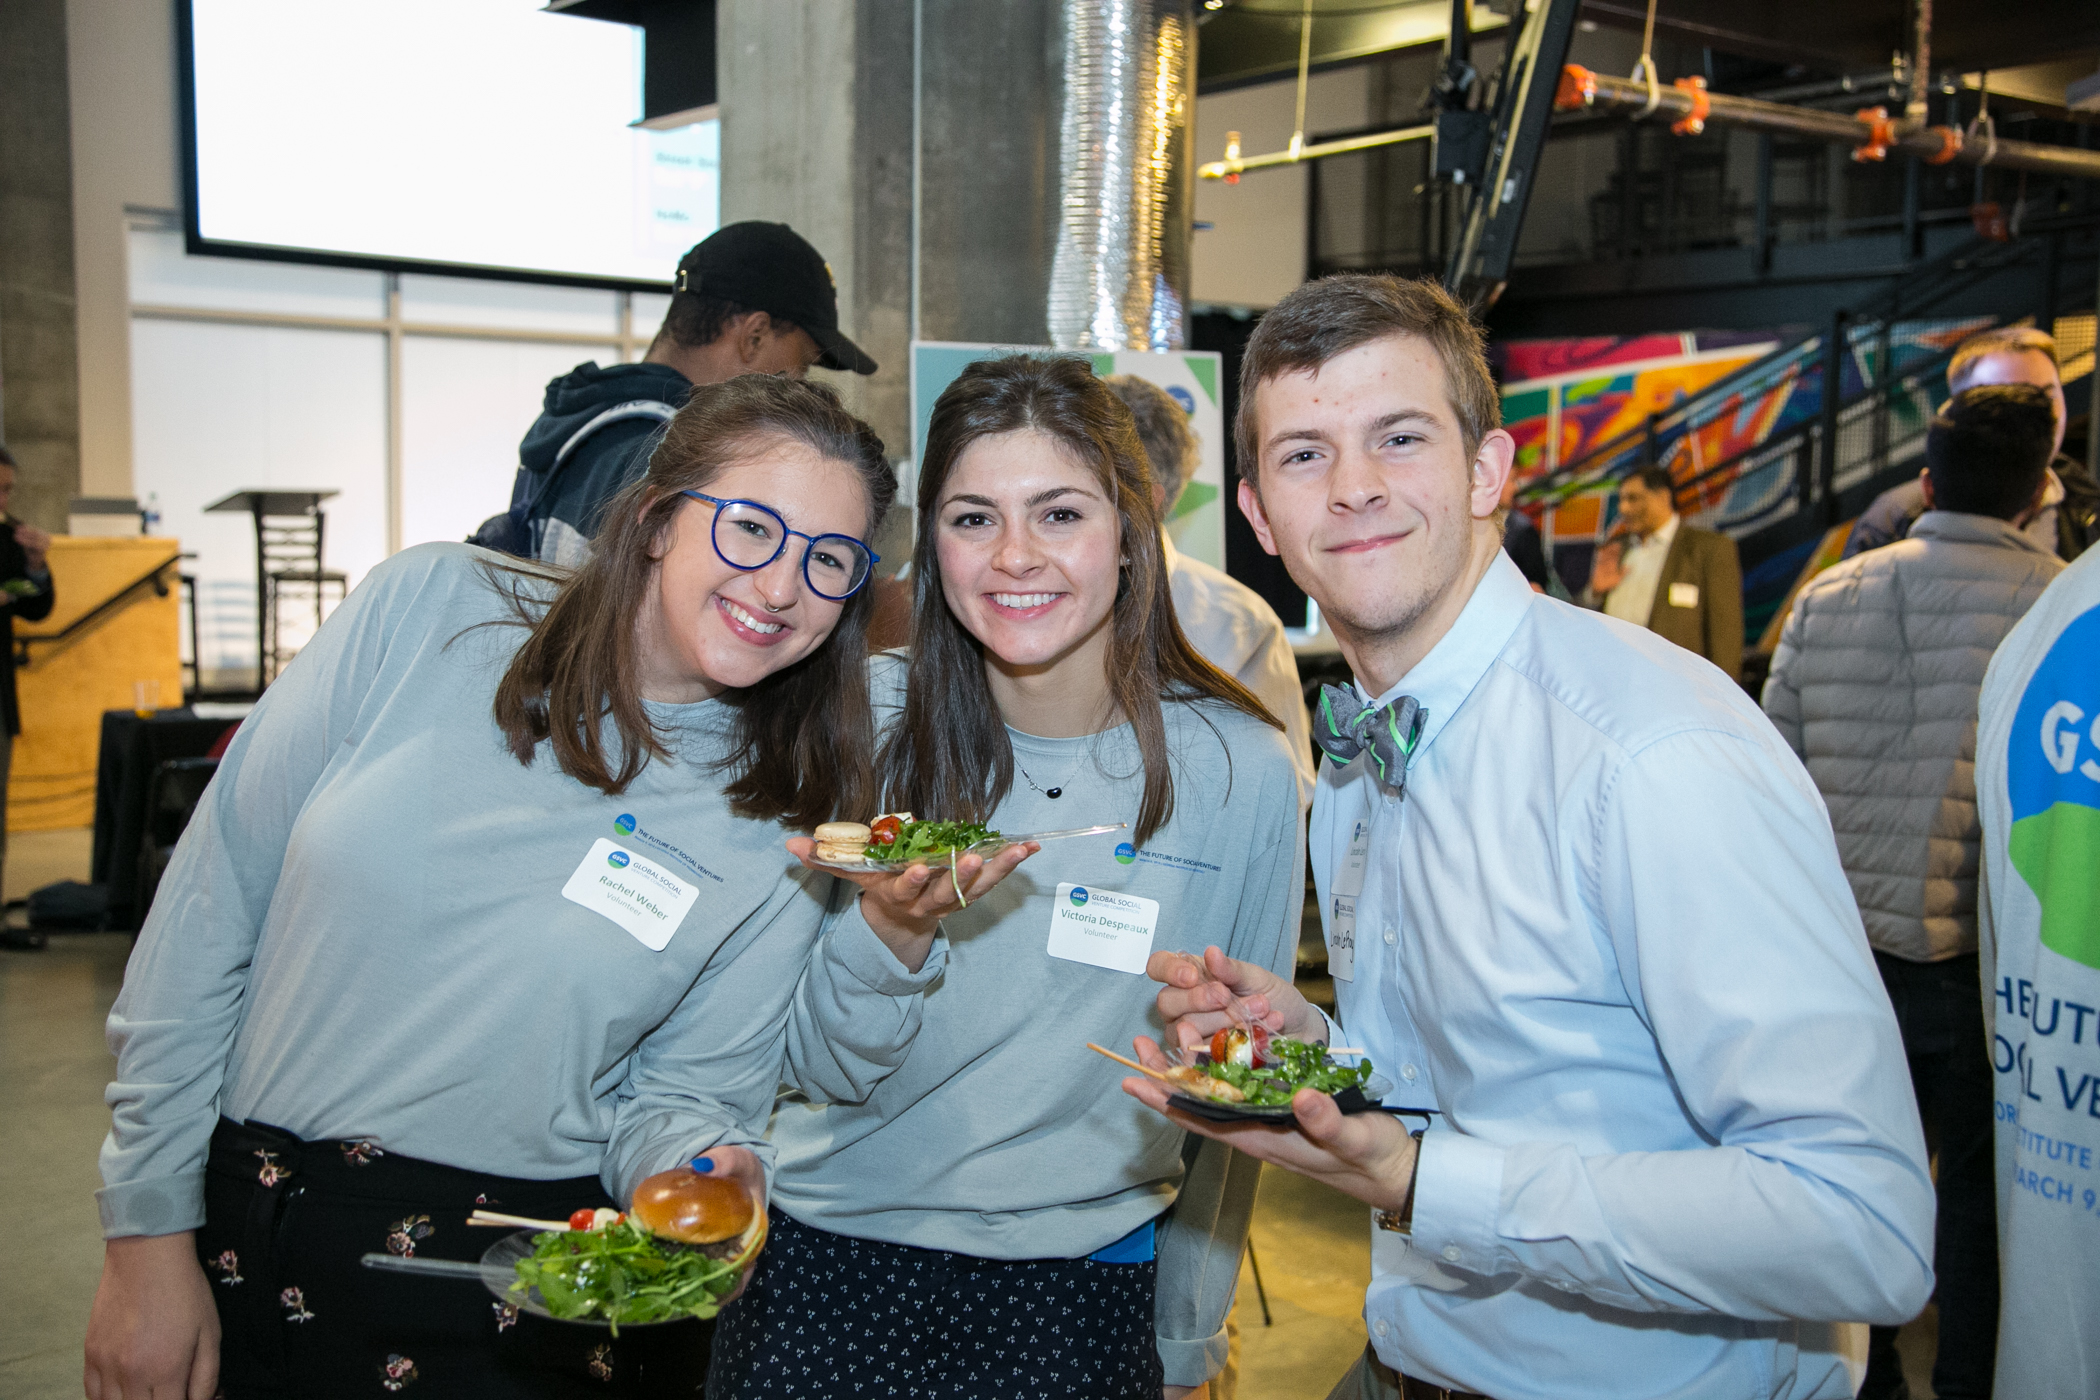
(995, 1217)
(487, 906)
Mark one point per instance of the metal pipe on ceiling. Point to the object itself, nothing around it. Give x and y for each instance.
(1687, 105)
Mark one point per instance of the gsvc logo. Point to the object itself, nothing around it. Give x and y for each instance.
(1126, 853)
(624, 823)
(1079, 895)
(618, 860)
(2052, 776)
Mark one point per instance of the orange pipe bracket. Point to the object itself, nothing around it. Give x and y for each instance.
(1693, 122)
(1950, 144)
(1578, 88)
(1881, 134)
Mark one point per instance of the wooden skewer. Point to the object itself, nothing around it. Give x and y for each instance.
(516, 1222)
(1124, 1060)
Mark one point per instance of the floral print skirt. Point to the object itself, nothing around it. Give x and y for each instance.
(286, 1223)
(829, 1314)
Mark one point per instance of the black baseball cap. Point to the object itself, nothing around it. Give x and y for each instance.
(772, 268)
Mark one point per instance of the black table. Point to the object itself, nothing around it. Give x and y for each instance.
(132, 750)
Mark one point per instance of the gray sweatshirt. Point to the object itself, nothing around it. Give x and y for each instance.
(380, 925)
(1000, 1134)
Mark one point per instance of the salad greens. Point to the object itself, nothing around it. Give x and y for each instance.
(1291, 1065)
(924, 840)
(623, 1273)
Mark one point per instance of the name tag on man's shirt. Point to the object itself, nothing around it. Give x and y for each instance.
(633, 891)
(1102, 928)
(1341, 913)
(1684, 595)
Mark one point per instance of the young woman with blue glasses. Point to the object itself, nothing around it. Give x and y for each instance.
(487, 907)
(995, 1217)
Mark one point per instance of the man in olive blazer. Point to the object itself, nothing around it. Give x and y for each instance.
(1680, 583)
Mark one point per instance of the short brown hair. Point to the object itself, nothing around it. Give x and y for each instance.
(1163, 428)
(1334, 315)
(2005, 340)
(801, 749)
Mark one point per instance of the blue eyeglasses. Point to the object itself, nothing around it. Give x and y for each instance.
(750, 536)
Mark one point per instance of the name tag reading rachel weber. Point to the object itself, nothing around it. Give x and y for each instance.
(633, 891)
(1102, 928)
(1684, 595)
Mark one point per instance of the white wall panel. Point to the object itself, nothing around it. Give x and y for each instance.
(468, 301)
(1253, 254)
(162, 274)
(221, 408)
(465, 404)
(649, 311)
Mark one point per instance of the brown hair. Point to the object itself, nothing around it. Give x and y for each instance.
(1162, 429)
(802, 747)
(950, 756)
(1334, 315)
(2005, 340)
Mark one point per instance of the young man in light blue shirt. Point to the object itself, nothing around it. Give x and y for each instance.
(1584, 910)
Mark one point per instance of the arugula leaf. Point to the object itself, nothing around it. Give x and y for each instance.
(924, 840)
(1297, 1065)
(622, 1273)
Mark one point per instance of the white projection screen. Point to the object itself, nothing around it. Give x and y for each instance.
(461, 136)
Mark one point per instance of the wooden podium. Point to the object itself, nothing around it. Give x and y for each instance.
(116, 622)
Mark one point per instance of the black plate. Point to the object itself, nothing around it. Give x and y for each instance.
(1350, 1100)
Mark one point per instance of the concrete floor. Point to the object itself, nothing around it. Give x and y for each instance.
(1312, 1242)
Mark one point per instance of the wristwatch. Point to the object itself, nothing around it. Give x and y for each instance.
(1402, 1221)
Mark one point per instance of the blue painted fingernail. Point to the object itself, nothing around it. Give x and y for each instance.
(703, 1165)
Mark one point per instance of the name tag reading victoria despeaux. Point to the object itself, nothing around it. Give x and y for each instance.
(1341, 913)
(1102, 928)
(633, 891)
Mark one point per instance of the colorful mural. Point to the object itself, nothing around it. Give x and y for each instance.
(1714, 399)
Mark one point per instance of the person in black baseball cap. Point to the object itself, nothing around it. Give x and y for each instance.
(751, 298)
(770, 268)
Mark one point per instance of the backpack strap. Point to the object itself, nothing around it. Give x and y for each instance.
(633, 408)
(524, 529)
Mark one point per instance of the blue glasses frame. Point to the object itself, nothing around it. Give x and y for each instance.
(786, 531)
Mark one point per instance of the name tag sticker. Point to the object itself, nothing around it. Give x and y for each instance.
(1349, 880)
(1684, 595)
(633, 891)
(1341, 909)
(1102, 928)
(1341, 938)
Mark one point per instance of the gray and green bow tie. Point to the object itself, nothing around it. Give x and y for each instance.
(1346, 727)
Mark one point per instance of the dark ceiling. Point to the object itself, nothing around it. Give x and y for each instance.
(1255, 40)
(1853, 35)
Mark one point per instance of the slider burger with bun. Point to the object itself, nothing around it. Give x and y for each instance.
(713, 1214)
(842, 843)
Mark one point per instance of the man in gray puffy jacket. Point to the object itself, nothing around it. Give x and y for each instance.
(1875, 685)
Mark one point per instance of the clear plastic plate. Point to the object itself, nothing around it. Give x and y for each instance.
(946, 859)
(498, 1271)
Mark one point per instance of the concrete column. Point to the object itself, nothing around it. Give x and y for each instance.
(121, 63)
(817, 132)
(39, 385)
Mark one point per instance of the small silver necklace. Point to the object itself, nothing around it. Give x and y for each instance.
(1050, 792)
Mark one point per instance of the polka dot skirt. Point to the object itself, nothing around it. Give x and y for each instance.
(830, 1315)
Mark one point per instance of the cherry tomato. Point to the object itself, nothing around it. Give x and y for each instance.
(1259, 1035)
(582, 1219)
(1225, 1043)
(885, 831)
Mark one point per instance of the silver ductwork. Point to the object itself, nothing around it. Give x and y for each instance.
(1119, 272)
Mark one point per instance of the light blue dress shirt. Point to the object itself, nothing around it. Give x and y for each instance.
(1606, 934)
